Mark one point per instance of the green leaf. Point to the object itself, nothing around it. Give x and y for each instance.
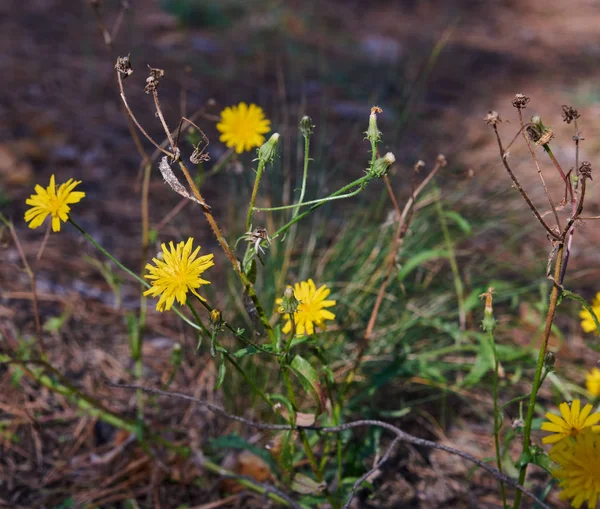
(307, 486)
(308, 378)
(483, 363)
(221, 373)
(236, 442)
(583, 302)
(243, 352)
(249, 264)
(460, 221)
(419, 259)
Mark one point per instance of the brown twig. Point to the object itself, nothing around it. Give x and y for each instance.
(400, 436)
(519, 187)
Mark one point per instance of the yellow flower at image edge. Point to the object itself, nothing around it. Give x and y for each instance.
(311, 310)
(587, 322)
(243, 126)
(578, 471)
(52, 202)
(178, 272)
(571, 422)
(592, 382)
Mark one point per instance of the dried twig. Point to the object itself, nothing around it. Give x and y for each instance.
(401, 436)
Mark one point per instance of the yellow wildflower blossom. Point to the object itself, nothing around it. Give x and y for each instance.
(571, 422)
(578, 471)
(243, 126)
(587, 322)
(592, 382)
(52, 202)
(311, 310)
(178, 272)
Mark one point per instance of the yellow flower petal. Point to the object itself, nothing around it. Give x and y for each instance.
(242, 127)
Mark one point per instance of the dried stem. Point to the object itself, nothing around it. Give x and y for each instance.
(400, 436)
(520, 188)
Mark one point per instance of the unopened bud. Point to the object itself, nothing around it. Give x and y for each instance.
(216, 320)
(382, 165)
(373, 133)
(488, 323)
(266, 153)
(306, 127)
(549, 360)
(289, 303)
(176, 355)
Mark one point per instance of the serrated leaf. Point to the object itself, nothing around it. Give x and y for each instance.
(308, 378)
(307, 486)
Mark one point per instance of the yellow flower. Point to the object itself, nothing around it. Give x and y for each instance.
(243, 126)
(592, 382)
(49, 201)
(178, 272)
(571, 423)
(587, 322)
(311, 310)
(578, 471)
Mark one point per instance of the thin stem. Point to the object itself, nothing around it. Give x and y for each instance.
(520, 188)
(259, 172)
(458, 284)
(566, 180)
(31, 274)
(362, 182)
(539, 369)
(497, 422)
(297, 206)
(304, 173)
(539, 170)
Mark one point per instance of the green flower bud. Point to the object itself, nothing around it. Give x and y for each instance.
(289, 303)
(266, 153)
(373, 133)
(488, 322)
(382, 165)
(549, 360)
(306, 127)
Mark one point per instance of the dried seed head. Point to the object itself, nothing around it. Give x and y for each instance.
(520, 101)
(256, 236)
(123, 67)
(441, 160)
(153, 80)
(585, 170)
(569, 113)
(492, 118)
(418, 165)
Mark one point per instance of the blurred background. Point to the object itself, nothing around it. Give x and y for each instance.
(434, 67)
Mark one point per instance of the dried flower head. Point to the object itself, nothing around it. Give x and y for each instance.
(153, 80)
(243, 127)
(123, 67)
(585, 170)
(569, 113)
(571, 422)
(256, 237)
(52, 202)
(177, 273)
(492, 118)
(311, 311)
(520, 101)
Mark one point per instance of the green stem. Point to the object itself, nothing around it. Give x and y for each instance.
(259, 172)
(304, 174)
(497, 413)
(458, 285)
(297, 206)
(539, 370)
(361, 182)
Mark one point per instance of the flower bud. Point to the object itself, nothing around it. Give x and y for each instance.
(488, 322)
(306, 127)
(373, 133)
(266, 153)
(382, 165)
(289, 303)
(549, 360)
(216, 320)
